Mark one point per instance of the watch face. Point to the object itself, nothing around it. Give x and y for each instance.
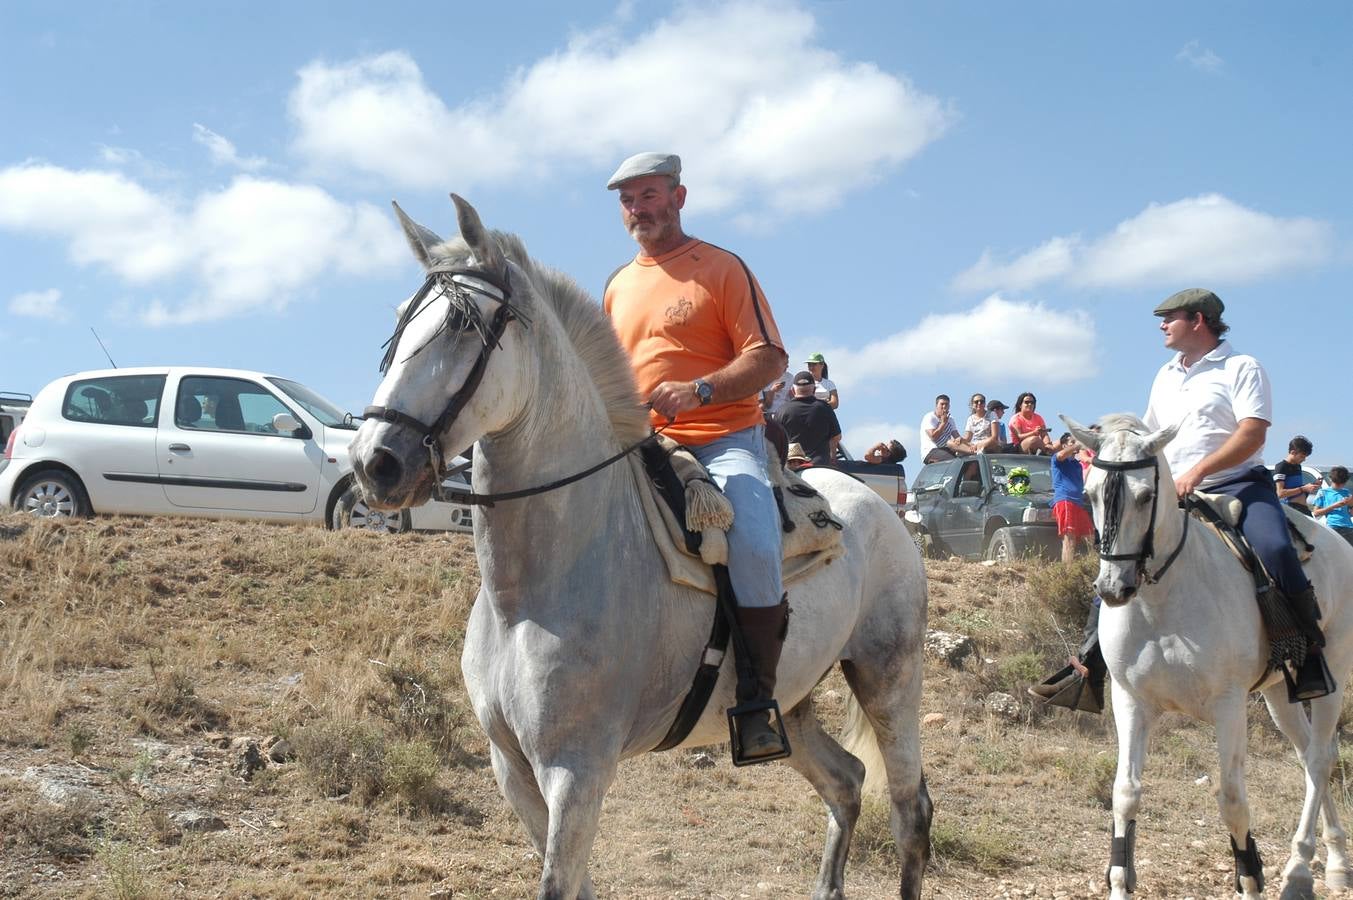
(704, 390)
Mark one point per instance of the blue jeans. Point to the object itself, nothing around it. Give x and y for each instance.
(1264, 525)
(737, 463)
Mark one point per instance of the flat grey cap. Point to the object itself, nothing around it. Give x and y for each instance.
(641, 164)
(1192, 300)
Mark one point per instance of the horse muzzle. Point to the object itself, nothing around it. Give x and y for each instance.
(383, 470)
(1116, 588)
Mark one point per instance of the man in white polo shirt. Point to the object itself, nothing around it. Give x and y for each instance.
(1223, 404)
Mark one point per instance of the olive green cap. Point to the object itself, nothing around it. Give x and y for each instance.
(1192, 300)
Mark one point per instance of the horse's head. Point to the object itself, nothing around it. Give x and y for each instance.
(1128, 483)
(452, 367)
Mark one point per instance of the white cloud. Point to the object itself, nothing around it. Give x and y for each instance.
(223, 152)
(1200, 57)
(1199, 239)
(251, 245)
(39, 305)
(765, 119)
(1049, 260)
(1053, 346)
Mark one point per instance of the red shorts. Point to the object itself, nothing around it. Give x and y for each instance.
(1072, 519)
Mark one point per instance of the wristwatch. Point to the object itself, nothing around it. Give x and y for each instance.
(704, 390)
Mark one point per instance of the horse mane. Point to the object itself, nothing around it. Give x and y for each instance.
(587, 328)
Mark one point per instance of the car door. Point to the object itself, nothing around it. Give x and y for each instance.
(218, 450)
(107, 436)
(964, 506)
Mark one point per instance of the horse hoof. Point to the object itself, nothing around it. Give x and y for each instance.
(1298, 888)
(1337, 879)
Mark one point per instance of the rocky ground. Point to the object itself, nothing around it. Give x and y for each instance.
(209, 709)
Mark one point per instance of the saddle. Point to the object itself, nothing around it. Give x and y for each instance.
(1221, 513)
(689, 517)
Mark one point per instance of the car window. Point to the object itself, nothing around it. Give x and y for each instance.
(929, 476)
(115, 400)
(1040, 471)
(330, 416)
(212, 403)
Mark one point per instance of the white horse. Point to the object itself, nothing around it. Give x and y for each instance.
(1192, 642)
(579, 648)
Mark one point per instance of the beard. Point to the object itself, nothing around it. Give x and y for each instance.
(655, 228)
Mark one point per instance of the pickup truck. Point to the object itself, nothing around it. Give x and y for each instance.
(964, 507)
(888, 480)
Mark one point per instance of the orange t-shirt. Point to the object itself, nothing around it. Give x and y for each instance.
(684, 315)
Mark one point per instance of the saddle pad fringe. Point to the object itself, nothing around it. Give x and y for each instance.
(814, 541)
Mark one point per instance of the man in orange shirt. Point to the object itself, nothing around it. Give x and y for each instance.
(703, 344)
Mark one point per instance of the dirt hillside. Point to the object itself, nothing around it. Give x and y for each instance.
(217, 709)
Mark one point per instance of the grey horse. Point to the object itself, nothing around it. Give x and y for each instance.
(579, 648)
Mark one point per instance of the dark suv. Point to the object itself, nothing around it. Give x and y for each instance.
(964, 507)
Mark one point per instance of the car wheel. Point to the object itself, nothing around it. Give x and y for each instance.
(1001, 547)
(51, 494)
(351, 511)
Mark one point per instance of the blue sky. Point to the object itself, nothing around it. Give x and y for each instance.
(948, 197)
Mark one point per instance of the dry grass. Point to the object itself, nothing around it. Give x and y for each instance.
(137, 648)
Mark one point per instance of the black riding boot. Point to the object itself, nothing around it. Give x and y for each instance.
(1069, 689)
(763, 629)
(1313, 678)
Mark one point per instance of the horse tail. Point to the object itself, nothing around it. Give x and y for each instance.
(861, 742)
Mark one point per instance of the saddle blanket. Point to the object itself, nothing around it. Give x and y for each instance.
(1229, 509)
(813, 541)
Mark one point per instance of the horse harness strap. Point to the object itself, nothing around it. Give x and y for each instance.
(1114, 496)
(486, 283)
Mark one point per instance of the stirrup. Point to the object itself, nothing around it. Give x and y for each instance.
(736, 713)
(1322, 685)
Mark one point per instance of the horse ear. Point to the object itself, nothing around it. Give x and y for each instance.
(421, 240)
(1087, 437)
(477, 236)
(1158, 439)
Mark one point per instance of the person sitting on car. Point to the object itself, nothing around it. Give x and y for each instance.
(940, 438)
(981, 431)
(1028, 430)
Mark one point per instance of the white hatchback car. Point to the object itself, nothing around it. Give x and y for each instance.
(220, 443)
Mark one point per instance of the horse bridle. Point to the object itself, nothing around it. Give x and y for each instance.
(455, 281)
(1114, 493)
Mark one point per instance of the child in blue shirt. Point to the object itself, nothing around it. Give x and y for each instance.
(1333, 503)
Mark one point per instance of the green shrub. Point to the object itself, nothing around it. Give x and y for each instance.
(1015, 673)
(1093, 772)
(1065, 589)
(342, 757)
(411, 773)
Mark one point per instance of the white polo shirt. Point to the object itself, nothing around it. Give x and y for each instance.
(1208, 400)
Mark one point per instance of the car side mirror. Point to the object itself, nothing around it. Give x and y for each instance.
(286, 423)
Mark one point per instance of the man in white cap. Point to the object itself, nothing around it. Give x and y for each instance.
(703, 343)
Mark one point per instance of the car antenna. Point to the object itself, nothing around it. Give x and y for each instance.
(102, 347)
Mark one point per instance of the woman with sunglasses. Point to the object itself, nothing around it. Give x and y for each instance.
(1028, 431)
(980, 430)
